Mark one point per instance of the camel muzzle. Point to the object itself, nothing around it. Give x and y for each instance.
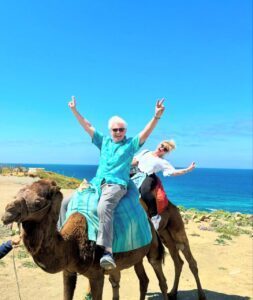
(8, 218)
(12, 213)
(18, 211)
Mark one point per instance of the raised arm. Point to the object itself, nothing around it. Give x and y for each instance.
(83, 122)
(159, 109)
(191, 167)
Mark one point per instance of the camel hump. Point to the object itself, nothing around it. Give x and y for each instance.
(130, 224)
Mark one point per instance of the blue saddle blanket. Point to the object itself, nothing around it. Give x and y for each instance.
(131, 228)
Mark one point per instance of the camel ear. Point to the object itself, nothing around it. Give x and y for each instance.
(53, 183)
(54, 188)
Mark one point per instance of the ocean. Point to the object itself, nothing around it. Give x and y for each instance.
(203, 189)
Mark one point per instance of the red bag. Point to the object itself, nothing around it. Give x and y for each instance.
(161, 198)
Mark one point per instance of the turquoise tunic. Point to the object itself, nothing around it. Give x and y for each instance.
(130, 223)
(115, 158)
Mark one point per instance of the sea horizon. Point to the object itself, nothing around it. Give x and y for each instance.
(205, 189)
(68, 164)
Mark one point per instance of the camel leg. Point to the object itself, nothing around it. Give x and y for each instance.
(157, 267)
(69, 281)
(114, 279)
(194, 269)
(143, 279)
(178, 262)
(155, 258)
(97, 285)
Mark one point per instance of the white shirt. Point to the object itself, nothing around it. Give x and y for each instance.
(149, 164)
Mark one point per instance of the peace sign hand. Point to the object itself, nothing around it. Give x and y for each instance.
(72, 103)
(159, 108)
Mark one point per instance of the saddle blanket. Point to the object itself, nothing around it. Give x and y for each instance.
(131, 229)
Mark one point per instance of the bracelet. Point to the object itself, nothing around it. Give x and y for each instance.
(157, 118)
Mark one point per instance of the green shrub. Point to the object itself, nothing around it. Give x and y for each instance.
(61, 180)
(225, 237)
(231, 229)
(2, 263)
(29, 264)
(220, 241)
(181, 208)
(22, 254)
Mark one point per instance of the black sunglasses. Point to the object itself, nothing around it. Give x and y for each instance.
(164, 148)
(118, 129)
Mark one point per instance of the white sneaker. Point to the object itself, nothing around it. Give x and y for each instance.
(107, 262)
(156, 221)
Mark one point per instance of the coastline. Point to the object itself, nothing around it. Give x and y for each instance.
(203, 189)
(225, 265)
(12, 164)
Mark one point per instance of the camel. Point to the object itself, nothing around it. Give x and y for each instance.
(172, 234)
(37, 207)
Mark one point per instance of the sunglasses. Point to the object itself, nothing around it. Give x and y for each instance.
(164, 148)
(118, 129)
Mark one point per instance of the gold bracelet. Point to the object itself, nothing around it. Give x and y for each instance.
(157, 118)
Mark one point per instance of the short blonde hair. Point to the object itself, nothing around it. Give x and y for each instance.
(170, 145)
(116, 119)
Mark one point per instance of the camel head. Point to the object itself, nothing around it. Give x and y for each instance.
(33, 202)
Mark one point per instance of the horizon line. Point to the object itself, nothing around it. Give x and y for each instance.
(68, 164)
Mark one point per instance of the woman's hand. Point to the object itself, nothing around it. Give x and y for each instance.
(72, 103)
(191, 167)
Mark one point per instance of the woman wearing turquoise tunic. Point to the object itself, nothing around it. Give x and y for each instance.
(116, 154)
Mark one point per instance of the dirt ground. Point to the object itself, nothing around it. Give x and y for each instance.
(226, 271)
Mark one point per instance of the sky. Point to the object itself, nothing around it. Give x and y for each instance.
(118, 58)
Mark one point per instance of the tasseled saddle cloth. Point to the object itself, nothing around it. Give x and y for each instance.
(130, 227)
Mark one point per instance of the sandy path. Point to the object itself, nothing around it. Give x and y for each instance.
(226, 272)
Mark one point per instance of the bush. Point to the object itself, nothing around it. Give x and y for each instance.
(61, 180)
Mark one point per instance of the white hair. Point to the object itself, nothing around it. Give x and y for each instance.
(116, 119)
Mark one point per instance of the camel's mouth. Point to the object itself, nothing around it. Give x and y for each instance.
(11, 214)
(31, 203)
(14, 214)
(8, 218)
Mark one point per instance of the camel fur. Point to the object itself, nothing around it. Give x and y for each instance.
(172, 233)
(37, 208)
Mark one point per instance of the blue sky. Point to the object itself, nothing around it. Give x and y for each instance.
(118, 57)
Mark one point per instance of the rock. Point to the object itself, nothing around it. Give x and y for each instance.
(186, 221)
(237, 214)
(194, 216)
(205, 228)
(250, 218)
(238, 218)
(205, 218)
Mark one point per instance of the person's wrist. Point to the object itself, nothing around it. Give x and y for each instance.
(157, 117)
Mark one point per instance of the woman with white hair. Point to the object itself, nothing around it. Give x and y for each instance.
(116, 154)
(148, 164)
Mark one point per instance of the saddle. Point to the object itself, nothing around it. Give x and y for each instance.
(131, 228)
